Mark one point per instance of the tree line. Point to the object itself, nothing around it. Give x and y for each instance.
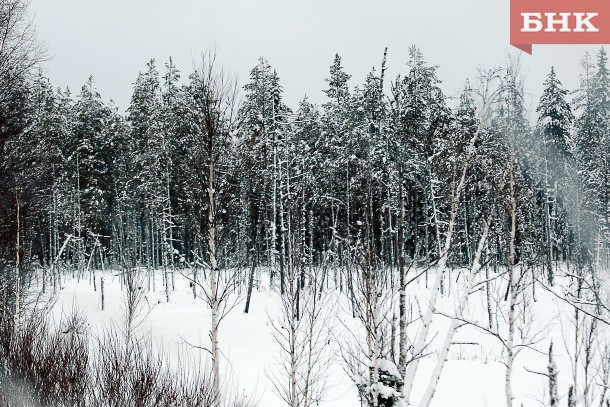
(132, 183)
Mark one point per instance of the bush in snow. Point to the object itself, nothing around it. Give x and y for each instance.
(386, 390)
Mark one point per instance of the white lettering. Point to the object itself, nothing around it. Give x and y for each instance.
(531, 22)
(584, 19)
(563, 20)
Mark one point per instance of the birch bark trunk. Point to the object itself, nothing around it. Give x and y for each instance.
(513, 290)
(420, 341)
(17, 266)
(442, 357)
(213, 281)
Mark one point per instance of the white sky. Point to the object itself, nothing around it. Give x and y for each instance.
(113, 39)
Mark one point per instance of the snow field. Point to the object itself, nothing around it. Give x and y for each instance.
(473, 375)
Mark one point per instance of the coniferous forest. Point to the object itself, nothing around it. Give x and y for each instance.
(345, 208)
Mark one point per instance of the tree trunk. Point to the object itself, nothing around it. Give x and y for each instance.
(371, 299)
(549, 241)
(214, 301)
(17, 266)
(102, 291)
(294, 401)
(512, 283)
(250, 283)
(552, 369)
(442, 356)
(420, 341)
(402, 307)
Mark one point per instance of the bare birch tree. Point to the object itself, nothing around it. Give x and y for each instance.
(487, 94)
(20, 50)
(303, 333)
(463, 300)
(214, 94)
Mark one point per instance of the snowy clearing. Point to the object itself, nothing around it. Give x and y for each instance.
(473, 375)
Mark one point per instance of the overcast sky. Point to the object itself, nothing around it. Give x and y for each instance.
(113, 39)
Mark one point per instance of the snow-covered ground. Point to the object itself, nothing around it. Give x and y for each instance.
(472, 377)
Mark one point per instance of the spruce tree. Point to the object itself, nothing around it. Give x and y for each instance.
(553, 129)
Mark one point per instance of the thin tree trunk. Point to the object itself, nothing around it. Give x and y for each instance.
(213, 280)
(552, 369)
(282, 251)
(273, 248)
(17, 266)
(402, 307)
(371, 307)
(420, 341)
(102, 291)
(294, 401)
(513, 290)
(549, 242)
(442, 356)
(250, 282)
